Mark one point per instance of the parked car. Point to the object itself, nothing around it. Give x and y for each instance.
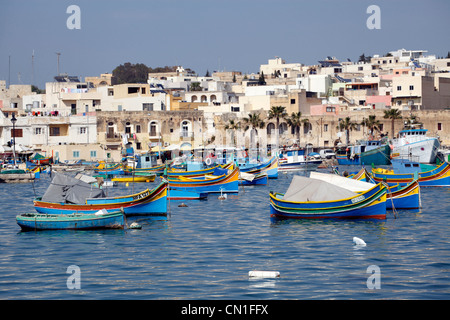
(327, 154)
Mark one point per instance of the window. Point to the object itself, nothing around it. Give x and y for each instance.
(411, 87)
(331, 109)
(138, 146)
(439, 126)
(138, 128)
(93, 154)
(54, 131)
(76, 154)
(235, 109)
(82, 130)
(292, 101)
(37, 130)
(399, 88)
(325, 127)
(147, 106)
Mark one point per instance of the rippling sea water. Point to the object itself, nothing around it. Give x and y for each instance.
(205, 251)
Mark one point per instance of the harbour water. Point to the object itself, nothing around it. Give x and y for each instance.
(204, 252)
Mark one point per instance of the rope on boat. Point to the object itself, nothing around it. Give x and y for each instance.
(392, 200)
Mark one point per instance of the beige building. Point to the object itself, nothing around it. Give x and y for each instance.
(420, 92)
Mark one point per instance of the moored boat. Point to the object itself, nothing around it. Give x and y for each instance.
(398, 197)
(416, 145)
(365, 152)
(222, 181)
(438, 176)
(75, 221)
(135, 178)
(248, 179)
(69, 195)
(308, 198)
(269, 166)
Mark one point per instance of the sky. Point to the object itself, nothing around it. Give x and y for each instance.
(213, 35)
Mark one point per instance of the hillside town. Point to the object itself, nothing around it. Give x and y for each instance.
(331, 103)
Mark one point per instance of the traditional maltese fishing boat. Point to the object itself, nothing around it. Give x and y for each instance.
(308, 198)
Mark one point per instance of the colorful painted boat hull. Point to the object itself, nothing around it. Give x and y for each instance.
(223, 183)
(175, 194)
(438, 177)
(270, 167)
(36, 221)
(191, 174)
(149, 178)
(147, 202)
(370, 204)
(258, 180)
(404, 197)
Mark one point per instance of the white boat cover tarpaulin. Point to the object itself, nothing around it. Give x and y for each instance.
(66, 189)
(303, 189)
(346, 183)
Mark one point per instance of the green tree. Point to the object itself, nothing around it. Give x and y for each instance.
(347, 125)
(131, 73)
(277, 112)
(253, 122)
(371, 123)
(195, 86)
(393, 114)
(262, 79)
(295, 122)
(233, 126)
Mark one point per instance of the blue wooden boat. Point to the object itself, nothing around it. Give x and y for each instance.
(270, 167)
(247, 179)
(438, 176)
(175, 194)
(308, 198)
(365, 152)
(174, 173)
(74, 221)
(115, 169)
(64, 196)
(398, 197)
(222, 181)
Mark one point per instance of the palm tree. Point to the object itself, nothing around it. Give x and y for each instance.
(277, 113)
(371, 123)
(233, 126)
(348, 126)
(295, 122)
(254, 122)
(392, 114)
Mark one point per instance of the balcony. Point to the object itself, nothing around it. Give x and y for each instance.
(186, 134)
(112, 137)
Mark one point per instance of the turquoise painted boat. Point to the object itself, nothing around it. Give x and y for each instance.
(366, 152)
(308, 198)
(67, 195)
(74, 221)
(437, 177)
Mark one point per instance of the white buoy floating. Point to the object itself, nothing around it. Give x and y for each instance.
(263, 274)
(135, 225)
(359, 242)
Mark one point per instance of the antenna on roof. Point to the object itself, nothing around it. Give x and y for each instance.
(57, 57)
